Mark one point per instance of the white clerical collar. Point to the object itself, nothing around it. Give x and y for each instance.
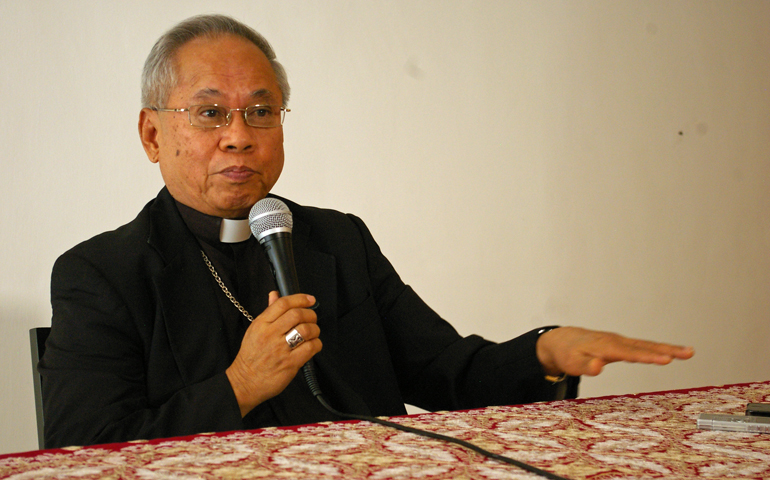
(234, 231)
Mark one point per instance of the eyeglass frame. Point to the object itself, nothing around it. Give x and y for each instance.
(229, 116)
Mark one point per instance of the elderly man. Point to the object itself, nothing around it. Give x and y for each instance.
(170, 325)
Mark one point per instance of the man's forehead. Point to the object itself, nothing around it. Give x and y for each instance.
(214, 70)
(224, 56)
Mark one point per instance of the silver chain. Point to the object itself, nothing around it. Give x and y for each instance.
(224, 288)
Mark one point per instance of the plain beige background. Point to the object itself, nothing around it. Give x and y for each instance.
(603, 163)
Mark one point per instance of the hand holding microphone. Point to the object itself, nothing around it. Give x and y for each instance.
(271, 351)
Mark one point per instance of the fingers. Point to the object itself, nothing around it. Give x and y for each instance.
(307, 332)
(577, 351)
(285, 313)
(643, 351)
(271, 329)
(666, 350)
(305, 351)
(278, 306)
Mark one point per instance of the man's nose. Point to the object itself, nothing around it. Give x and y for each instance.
(238, 136)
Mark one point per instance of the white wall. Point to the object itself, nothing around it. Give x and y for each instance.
(603, 163)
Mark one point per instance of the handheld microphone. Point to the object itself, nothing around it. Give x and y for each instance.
(271, 223)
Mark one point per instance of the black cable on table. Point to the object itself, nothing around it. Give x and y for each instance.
(312, 382)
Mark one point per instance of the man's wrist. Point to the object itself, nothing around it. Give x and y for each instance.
(551, 375)
(242, 395)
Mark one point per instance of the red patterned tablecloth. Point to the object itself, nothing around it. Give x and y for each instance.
(633, 437)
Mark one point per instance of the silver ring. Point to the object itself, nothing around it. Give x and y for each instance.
(294, 339)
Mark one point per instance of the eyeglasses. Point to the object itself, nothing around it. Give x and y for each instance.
(213, 116)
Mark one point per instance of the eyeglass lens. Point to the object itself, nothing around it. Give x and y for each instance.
(262, 116)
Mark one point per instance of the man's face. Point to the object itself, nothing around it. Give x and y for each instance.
(218, 171)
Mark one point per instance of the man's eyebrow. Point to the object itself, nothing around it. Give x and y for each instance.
(207, 93)
(257, 95)
(262, 94)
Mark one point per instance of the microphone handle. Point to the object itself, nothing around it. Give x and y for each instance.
(281, 256)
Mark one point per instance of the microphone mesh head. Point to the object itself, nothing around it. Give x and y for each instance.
(269, 215)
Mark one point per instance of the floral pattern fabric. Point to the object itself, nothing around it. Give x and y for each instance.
(641, 436)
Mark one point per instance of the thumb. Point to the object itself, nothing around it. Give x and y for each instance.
(595, 366)
(272, 297)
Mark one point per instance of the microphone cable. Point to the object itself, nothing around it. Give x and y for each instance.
(308, 371)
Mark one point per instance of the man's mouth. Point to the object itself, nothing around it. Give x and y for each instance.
(238, 173)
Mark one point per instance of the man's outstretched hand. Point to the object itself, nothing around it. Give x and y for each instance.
(577, 351)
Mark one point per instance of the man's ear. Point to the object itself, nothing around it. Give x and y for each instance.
(149, 130)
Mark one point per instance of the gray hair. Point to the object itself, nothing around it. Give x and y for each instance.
(159, 74)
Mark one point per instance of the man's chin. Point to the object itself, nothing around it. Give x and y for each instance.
(239, 207)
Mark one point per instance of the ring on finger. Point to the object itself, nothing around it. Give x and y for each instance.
(294, 339)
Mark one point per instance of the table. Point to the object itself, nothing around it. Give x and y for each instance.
(650, 435)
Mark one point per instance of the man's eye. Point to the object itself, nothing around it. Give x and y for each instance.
(262, 112)
(211, 113)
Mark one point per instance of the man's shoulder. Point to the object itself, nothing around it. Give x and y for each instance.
(322, 220)
(342, 235)
(126, 240)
